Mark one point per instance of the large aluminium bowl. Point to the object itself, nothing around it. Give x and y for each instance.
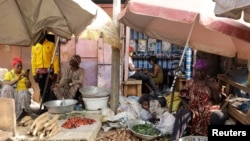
(142, 136)
(93, 92)
(60, 106)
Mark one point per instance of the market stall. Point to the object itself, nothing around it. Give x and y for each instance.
(87, 131)
(232, 104)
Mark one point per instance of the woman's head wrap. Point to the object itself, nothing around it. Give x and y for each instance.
(76, 58)
(200, 64)
(16, 60)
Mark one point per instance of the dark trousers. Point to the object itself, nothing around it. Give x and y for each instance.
(145, 79)
(48, 95)
(184, 116)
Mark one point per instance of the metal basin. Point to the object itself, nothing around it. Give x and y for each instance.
(93, 92)
(60, 106)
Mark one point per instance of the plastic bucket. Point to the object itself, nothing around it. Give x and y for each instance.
(95, 103)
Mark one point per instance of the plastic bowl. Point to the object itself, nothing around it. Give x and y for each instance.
(60, 106)
(142, 136)
(95, 103)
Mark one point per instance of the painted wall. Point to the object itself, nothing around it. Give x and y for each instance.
(9, 52)
(88, 50)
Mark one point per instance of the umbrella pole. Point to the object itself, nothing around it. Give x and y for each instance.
(180, 62)
(47, 78)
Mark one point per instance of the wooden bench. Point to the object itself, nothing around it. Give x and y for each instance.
(132, 87)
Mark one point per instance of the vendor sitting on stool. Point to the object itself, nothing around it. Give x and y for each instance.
(71, 81)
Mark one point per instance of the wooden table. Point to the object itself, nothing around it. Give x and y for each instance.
(5, 135)
(83, 133)
(238, 115)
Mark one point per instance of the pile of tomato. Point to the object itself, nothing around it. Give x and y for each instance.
(75, 122)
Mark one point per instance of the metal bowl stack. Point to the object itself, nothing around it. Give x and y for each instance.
(94, 98)
(142, 136)
(60, 106)
(93, 92)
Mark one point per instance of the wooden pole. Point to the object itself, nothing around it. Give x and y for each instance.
(115, 67)
(172, 89)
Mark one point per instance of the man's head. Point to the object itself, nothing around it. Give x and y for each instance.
(131, 51)
(75, 60)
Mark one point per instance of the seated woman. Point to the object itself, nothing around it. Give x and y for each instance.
(201, 101)
(157, 73)
(72, 79)
(15, 85)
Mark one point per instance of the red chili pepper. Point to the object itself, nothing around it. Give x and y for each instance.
(75, 122)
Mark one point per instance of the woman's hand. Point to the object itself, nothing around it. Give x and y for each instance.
(27, 73)
(21, 76)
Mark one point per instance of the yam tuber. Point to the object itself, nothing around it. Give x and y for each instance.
(28, 122)
(52, 120)
(24, 119)
(38, 119)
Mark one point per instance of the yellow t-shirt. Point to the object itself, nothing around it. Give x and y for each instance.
(10, 75)
(41, 56)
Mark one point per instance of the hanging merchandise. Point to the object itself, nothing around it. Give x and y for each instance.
(248, 66)
(188, 63)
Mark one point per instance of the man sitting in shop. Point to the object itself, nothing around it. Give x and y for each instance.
(136, 73)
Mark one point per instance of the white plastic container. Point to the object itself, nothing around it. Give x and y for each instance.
(96, 103)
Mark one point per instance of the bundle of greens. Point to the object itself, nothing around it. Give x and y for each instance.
(146, 129)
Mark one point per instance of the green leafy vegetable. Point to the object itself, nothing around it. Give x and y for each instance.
(146, 129)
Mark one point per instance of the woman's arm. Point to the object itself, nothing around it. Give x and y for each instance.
(155, 71)
(27, 79)
(8, 80)
(28, 83)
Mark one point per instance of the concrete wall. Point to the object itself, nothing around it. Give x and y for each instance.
(85, 48)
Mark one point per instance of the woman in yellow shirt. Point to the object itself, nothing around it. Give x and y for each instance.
(15, 85)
